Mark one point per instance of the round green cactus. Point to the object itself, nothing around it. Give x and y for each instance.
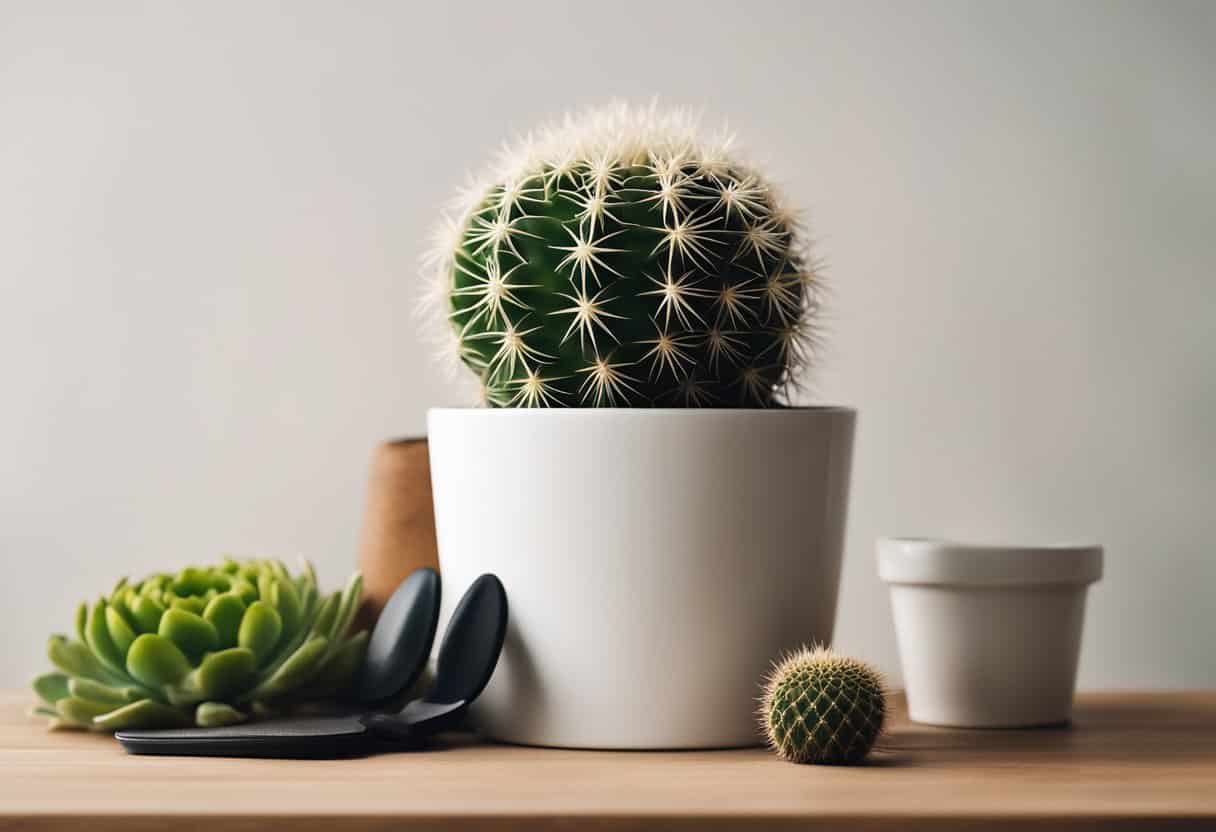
(205, 646)
(820, 707)
(619, 260)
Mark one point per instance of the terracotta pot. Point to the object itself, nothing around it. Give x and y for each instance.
(398, 522)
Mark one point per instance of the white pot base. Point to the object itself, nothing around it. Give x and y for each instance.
(1031, 726)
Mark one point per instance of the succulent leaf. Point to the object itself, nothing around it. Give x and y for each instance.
(309, 597)
(81, 711)
(260, 629)
(147, 610)
(121, 634)
(51, 687)
(191, 581)
(97, 692)
(146, 713)
(121, 604)
(226, 673)
(326, 615)
(225, 612)
(268, 590)
(156, 661)
(76, 659)
(216, 714)
(289, 606)
(295, 671)
(243, 589)
(193, 634)
(82, 620)
(308, 575)
(98, 638)
(346, 608)
(190, 604)
(339, 666)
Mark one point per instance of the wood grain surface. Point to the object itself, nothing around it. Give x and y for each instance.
(1130, 761)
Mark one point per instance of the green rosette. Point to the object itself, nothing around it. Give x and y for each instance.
(209, 645)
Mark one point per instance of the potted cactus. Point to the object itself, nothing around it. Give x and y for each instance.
(635, 303)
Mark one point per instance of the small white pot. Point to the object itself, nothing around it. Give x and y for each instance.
(988, 635)
(655, 561)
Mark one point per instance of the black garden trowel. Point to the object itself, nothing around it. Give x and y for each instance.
(396, 654)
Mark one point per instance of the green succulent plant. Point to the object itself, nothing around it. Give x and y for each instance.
(206, 646)
(820, 707)
(620, 260)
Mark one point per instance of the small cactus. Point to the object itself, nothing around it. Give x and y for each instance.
(820, 707)
(619, 260)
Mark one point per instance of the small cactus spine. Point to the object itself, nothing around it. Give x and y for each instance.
(619, 260)
(821, 707)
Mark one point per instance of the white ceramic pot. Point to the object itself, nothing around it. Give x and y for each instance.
(988, 635)
(655, 561)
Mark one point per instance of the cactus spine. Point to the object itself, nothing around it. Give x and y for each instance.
(820, 707)
(619, 260)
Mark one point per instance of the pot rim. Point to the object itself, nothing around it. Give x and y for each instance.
(485, 412)
(924, 560)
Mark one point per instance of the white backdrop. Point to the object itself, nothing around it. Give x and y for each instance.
(209, 214)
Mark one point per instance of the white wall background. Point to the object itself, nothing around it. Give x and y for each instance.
(209, 214)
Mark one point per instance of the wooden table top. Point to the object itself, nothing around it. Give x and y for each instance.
(1131, 761)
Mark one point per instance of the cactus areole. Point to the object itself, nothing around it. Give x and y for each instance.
(619, 260)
